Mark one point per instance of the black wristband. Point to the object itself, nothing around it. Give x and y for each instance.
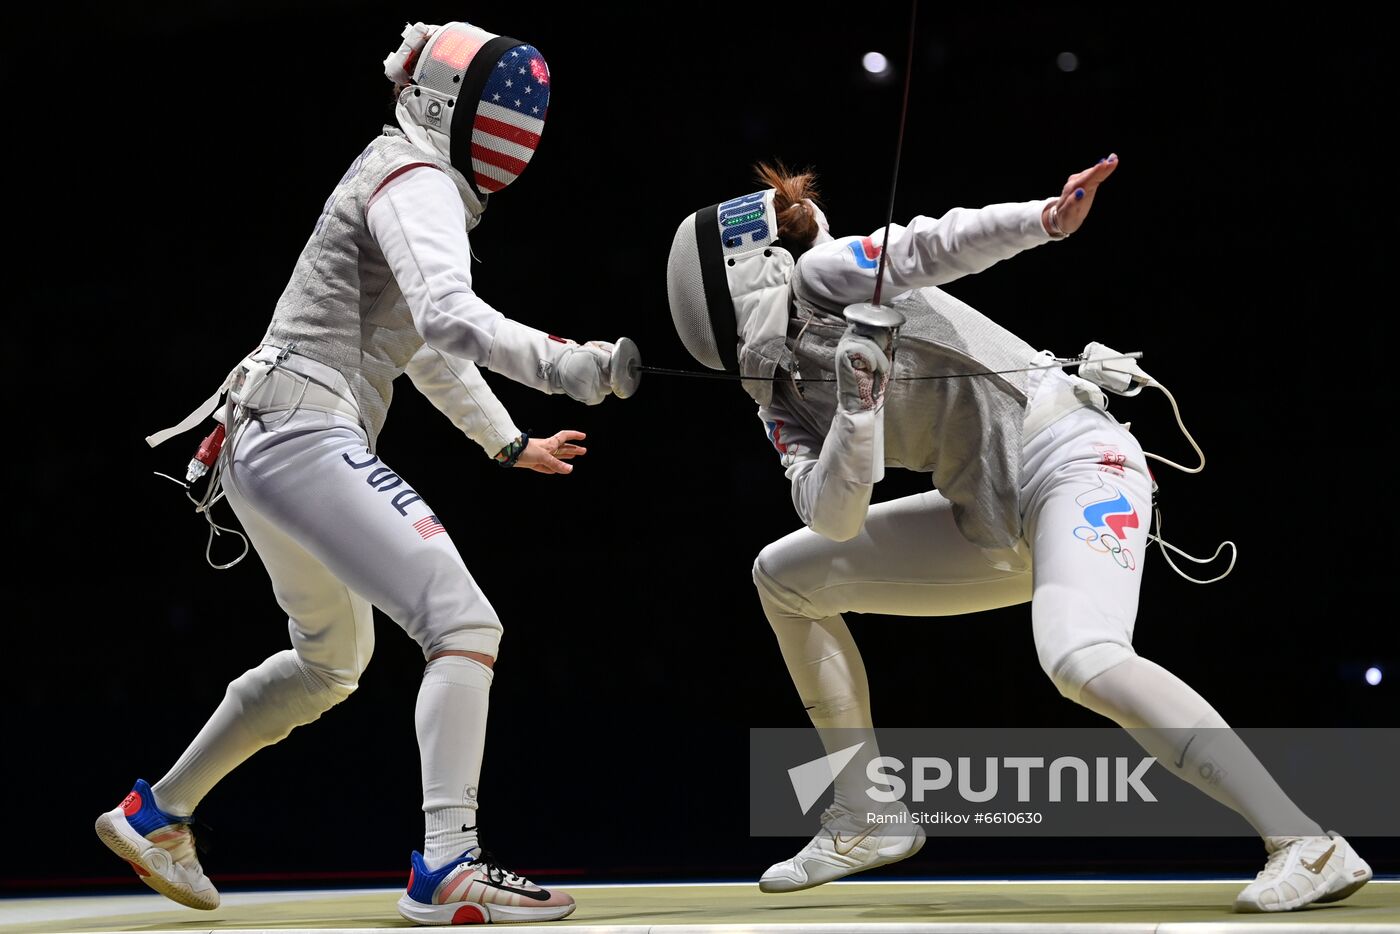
(511, 452)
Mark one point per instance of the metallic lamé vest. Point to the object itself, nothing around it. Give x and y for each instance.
(342, 306)
(965, 431)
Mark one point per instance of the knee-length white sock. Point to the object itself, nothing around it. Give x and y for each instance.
(451, 725)
(1174, 723)
(829, 673)
(261, 706)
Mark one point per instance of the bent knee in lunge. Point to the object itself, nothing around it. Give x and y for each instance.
(778, 586)
(1070, 671)
(478, 632)
(284, 692)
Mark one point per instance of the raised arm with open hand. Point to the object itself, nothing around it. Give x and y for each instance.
(1065, 216)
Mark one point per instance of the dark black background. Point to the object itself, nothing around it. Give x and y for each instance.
(165, 168)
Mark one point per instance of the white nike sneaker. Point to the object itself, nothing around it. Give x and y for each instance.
(159, 846)
(845, 845)
(1303, 870)
(475, 889)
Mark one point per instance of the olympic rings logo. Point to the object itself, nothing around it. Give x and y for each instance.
(1106, 543)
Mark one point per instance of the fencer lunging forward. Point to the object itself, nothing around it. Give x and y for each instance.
(1042, 497)
(383, 287)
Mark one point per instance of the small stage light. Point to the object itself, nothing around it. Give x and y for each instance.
(875, 63)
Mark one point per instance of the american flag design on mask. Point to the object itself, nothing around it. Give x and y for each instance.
(509, 118)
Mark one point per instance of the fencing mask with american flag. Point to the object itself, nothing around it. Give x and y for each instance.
(476, 99)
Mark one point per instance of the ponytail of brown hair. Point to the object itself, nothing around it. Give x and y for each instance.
(797, 225)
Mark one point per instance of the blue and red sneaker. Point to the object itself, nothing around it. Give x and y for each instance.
(473, 889)
(159, 847)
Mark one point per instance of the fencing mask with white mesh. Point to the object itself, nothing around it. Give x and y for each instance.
(727, 279)
(476, 99)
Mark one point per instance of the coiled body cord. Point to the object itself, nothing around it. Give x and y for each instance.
(1120, 375)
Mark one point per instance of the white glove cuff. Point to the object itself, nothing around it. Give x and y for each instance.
(525, 355)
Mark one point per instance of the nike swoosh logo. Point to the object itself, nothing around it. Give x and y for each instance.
(1316, 867)
(844, 847)
(1181, 761)
(539, 895)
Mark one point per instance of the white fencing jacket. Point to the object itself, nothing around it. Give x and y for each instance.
(834, 467)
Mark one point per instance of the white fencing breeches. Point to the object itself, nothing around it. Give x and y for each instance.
(337, 530)
(1085, 500)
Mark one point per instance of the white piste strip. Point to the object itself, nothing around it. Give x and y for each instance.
(891, 927)
(930, 882)
(77, 908)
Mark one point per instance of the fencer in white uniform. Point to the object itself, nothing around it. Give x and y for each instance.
(383, 287)
(1042, 497)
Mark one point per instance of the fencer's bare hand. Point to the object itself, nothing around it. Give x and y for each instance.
(547, 455)
(1067, 215)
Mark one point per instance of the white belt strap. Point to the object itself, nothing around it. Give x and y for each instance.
(260, 394)
(1057, 399)
(258, 385)
(194, 418)
(281, 390)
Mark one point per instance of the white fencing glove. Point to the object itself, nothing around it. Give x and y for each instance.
(552, 364)
(862, 373)
(583, 372)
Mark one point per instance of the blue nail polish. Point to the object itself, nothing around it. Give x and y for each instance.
(1078, 193)
(1102, 161)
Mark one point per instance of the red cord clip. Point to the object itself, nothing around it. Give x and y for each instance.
(207, 454)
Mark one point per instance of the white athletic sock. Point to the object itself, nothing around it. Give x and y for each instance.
(260, 707)
(1175, 724)
(829, 674)
(451, 725)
